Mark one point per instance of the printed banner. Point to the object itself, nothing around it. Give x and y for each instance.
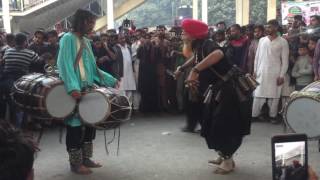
(306, 9)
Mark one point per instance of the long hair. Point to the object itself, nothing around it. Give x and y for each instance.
(79, 19)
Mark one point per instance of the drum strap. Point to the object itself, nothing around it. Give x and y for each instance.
(78, 57)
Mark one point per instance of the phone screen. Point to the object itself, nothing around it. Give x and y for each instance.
(290, 160)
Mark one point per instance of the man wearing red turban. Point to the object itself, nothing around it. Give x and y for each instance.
(224, 118)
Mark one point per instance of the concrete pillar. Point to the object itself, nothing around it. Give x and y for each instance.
(6, 16)
(194, 9)
(272, 10)
(242, 12)
(204, 11)
(110, 15)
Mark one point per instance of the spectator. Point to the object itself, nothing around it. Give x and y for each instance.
(270, 68)
(16, 154)
(17, 62)
(302, 69)
(258, 34)
(315, 21)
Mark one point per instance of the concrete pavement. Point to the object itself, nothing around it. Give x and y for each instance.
(153, 148)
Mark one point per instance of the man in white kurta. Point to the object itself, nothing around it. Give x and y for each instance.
(127, 82)
(136, 63)
(270, 68)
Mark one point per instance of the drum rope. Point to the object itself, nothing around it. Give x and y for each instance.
(118, 148)
(107, 143)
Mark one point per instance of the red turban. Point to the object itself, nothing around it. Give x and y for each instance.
(196, 29)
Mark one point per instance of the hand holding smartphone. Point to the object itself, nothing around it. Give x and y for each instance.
(290, 157)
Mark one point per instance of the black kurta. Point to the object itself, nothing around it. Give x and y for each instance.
(227, 120)
(147, 85)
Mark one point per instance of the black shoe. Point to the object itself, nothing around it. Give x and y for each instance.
(187, 130)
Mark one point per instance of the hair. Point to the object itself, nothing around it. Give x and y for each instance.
(79, 18)
(16, 153)
(274, 23)
(237, 26)
(220, 32)
(317, 17)
(221, 22)
(20, 39)
(103, 35)
(250, 27)
(259, 26)
(10, 38)
(303, 45)
(52, 33)
(96, 38)
(298, 17)
(162, 27)
(314, 38)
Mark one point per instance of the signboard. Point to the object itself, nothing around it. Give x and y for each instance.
(306, 9)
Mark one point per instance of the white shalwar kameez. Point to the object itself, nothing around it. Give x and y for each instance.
(271, 62)
(127, 83)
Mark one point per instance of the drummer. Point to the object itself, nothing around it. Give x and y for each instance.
(76, 64)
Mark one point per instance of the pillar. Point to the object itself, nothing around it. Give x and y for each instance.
(272, 10)
(194, 9)
(242, 12)
(204, 11)
(110, 15)
(6, 16)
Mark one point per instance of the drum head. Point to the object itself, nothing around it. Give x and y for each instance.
(303, 116)
(94, 108)
(59, 104)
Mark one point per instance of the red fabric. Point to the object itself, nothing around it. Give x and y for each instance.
(196, 29)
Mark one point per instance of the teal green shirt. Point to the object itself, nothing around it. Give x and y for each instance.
(71, 75)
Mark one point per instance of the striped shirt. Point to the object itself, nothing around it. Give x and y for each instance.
(19, 61)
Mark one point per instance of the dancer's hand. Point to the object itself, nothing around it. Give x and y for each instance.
(177, 73)
(193, 81)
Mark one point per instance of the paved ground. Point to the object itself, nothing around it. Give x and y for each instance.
(147, 153)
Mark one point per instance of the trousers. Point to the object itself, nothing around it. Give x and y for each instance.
(77, 136)
(258, 102)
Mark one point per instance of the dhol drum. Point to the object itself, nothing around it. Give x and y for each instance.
(43, 96)
(104, 108)
(302, 112)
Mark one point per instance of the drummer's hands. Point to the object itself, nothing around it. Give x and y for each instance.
(76, 95)
(280, 81)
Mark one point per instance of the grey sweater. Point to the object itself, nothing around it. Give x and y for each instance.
(302, 70)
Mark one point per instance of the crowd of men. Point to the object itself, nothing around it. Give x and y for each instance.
(144, 62)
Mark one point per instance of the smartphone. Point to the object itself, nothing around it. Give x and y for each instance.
(290, 157)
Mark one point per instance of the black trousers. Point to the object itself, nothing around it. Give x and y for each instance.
(228, 145)
(194, 112)
(76, 136)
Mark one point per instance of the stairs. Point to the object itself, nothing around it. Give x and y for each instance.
(46, 16)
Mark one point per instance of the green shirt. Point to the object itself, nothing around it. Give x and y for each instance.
(71, 75)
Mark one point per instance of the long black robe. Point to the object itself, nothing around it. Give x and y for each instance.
(147, 86)
(227, 120)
